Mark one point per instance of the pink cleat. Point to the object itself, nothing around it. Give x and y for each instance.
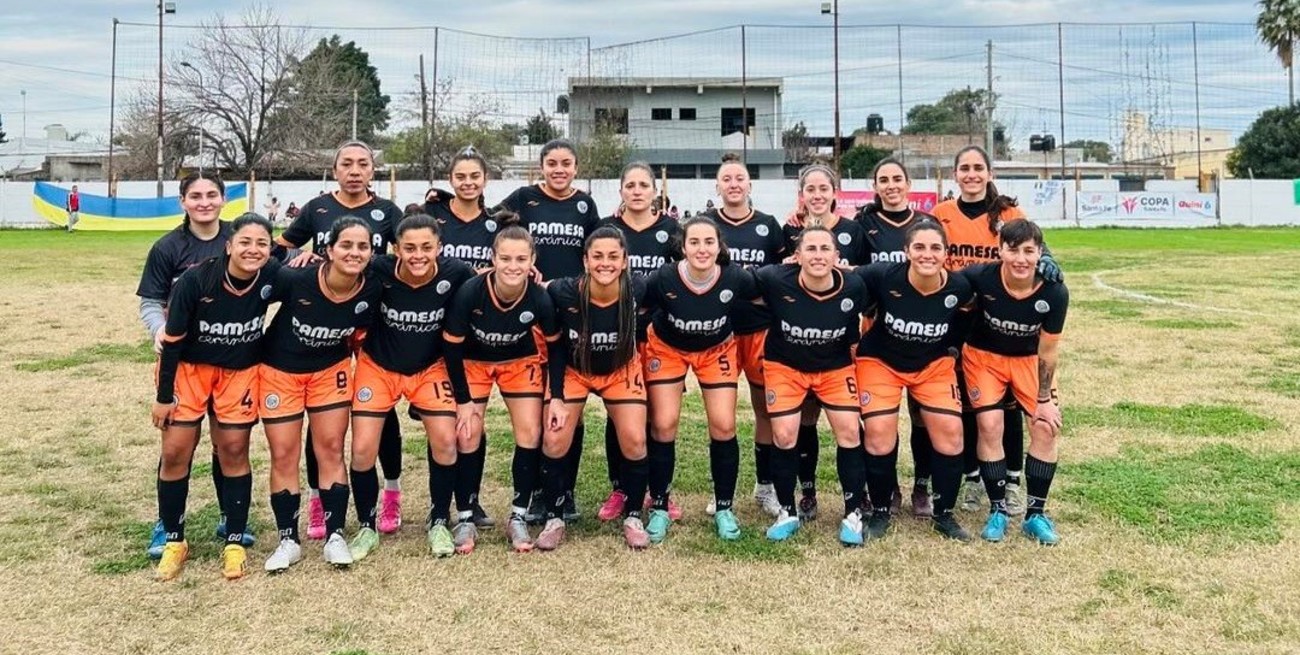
(390, 511)
(315, 519)
(612, 508)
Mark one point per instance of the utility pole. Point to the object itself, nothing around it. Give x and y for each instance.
(424, 124)
(163, 8)
(112, 108)
(354, 114)
(988, 103)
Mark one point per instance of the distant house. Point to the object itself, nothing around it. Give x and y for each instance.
(54, 158)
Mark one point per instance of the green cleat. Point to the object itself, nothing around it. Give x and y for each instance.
(365, 541)
(440, 541)
(658, 525)
(728, 526)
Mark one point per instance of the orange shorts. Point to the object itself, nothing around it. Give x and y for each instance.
(749, 355)
(934, 387)
(539, 341)
(622, 386)
(286, 395)
(988, 375)
(836, 389)
(228, 394)
(714, 368)
(518, 378)
(378, 389)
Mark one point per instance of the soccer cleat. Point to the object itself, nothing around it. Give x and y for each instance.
(634, 533)
(922, 507)
(315, 518)
(247, 541)
(481, 517)
(973, 497)
(1015, 500)
(712, 508)
(728, 526)
(440, 542)
(337, 552)
(390, 511)
(995, 528)
(570, 509)
(808, 508)
(365, 541)
(948, 526)
(536, 514)
(851, 529)
(765, 496)
(1041, 529)
(674, 510)
(877, 526)
(612, 508)
(551, 535)
(157, 540)
(520, 540)
(464, 536)
(234, 562)
(174, 555)
(784, 527)
(288, 553)
(657, 527)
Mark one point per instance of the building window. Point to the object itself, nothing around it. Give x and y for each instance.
(661, 114)
(686, 114)
(732, 120)
(613, 119)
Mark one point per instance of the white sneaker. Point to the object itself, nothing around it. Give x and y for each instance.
(1015, 500)
(765, 496)
(712, 507)
(286, 554)
(337, 551)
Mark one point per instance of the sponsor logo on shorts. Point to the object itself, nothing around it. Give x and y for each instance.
(661, 236)
(272, 401)
(490, 225)
(864, 399)
(1042, 307)
(761, 230)
(771, 397)
(950, 301)
(444, 286)
(266, 292)
(377, 214)
(846, 305)
(362, 306)
(974, 393)
(526, 317)
(364, 394)
(844, 238)
(582, 206)
(654, 364)
(725, 296)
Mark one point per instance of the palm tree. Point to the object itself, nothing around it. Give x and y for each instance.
(1278, 25)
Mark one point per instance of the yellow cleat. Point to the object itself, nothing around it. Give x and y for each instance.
(233, 561)
(173, 560)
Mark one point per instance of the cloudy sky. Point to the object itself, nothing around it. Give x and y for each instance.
(59, 53)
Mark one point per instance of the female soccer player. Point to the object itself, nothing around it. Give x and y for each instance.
(489, 340)
(753, 239)
(211, 347)
(816, 312)
(598, 313)
(650, 237)
(916, 307)
(200, 237)
(307, 367)
(354, 169)
(691, 301)
(560, 218)
(402, 356)
(1013, 346)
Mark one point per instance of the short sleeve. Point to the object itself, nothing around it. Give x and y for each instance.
(156, 279)
(458, 314)
(1054, 322)
(300, 231)
(746, 284)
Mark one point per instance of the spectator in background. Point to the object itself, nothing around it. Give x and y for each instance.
(273, 210)
(686, 215)
(676, 215)
(73, 205)
(292, 212)
(708, 205)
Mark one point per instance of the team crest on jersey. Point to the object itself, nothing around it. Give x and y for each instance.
(266, 292)
(526, 317)
(725, 296)
(362, 306)
(654, 365)
(950, 301)
(582, 206)
(844, 239)
(1042, 307)
(272, 401)
(364, 394)
(444, 286)
(661, 236)
(490, 225)
(771, 397)
(377, 214)
(761, 230)
(846, 305)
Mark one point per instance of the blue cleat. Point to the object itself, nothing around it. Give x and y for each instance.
(248, 540)
(157, 541)
(785, 527)
(995, 528)
(851, 529)
(1040, 528)
(658, 525)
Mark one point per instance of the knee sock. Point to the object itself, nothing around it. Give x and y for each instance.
(922, 451)
(947, 479)
(313, 470)
(1013, 442)
(477, 461)
(613, 456)
(892, 457)
(809, 450)
(1038, 479)
(763, 463)
(880, 482)
(724, 465)
(554, 477)
(663, 459)
(634, 477)
(995, 484)
(238, 491)
(573, 460)
(785, 471)
(335, 502)
(463, 488)
(365, 494)
(219, 482)
(523, 475)
(172, 496)
(390, 447)
(853, 476)
(284, 506)
(442, 482)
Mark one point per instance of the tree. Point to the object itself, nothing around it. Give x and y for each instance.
(430, 153)
(858, 161)
(798, 147)
(1270, 147)
(324, 82)
(1278, 25)
(1098, 151)
(539, 129)
(3, 138)
(604, 154)
(961, 111)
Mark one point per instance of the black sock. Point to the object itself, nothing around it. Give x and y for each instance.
(947, 480)
(365, 495)
(634, 478)
(724, 465)
(853, 476)
(970, 433)
(238, 491)
(464, 486)
(809, 450)
(613, 455)
(892, 456)
(219, 482)
(554, 476)
(477, 463)
(313, 469)
(763, 463)
(172, 495)
(573, 460)
(922, 451)
(662, 459)
(880, 482)
(1013, 441)
(523, 474)
(390, 446)
(442, 483)
(785, 471)
(1038, 479)
(284, 506)
(995, 484)
(335, 503)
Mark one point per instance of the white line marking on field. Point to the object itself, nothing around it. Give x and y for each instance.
(1142, 297)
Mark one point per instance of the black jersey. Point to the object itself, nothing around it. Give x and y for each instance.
(222, 325)
(494, 331)
(469, 241)
(650, 248)
(406, 337)
(885, 231)
(693, 321)
(911, 329)
(173, 254)
(317, 216)
(559, 227)
(311, 330)
(1010, 326)
(753, 241)
(811, 332)
(603, 341)
(850, 240)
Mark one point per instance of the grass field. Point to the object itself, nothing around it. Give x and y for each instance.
(1178, 498)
